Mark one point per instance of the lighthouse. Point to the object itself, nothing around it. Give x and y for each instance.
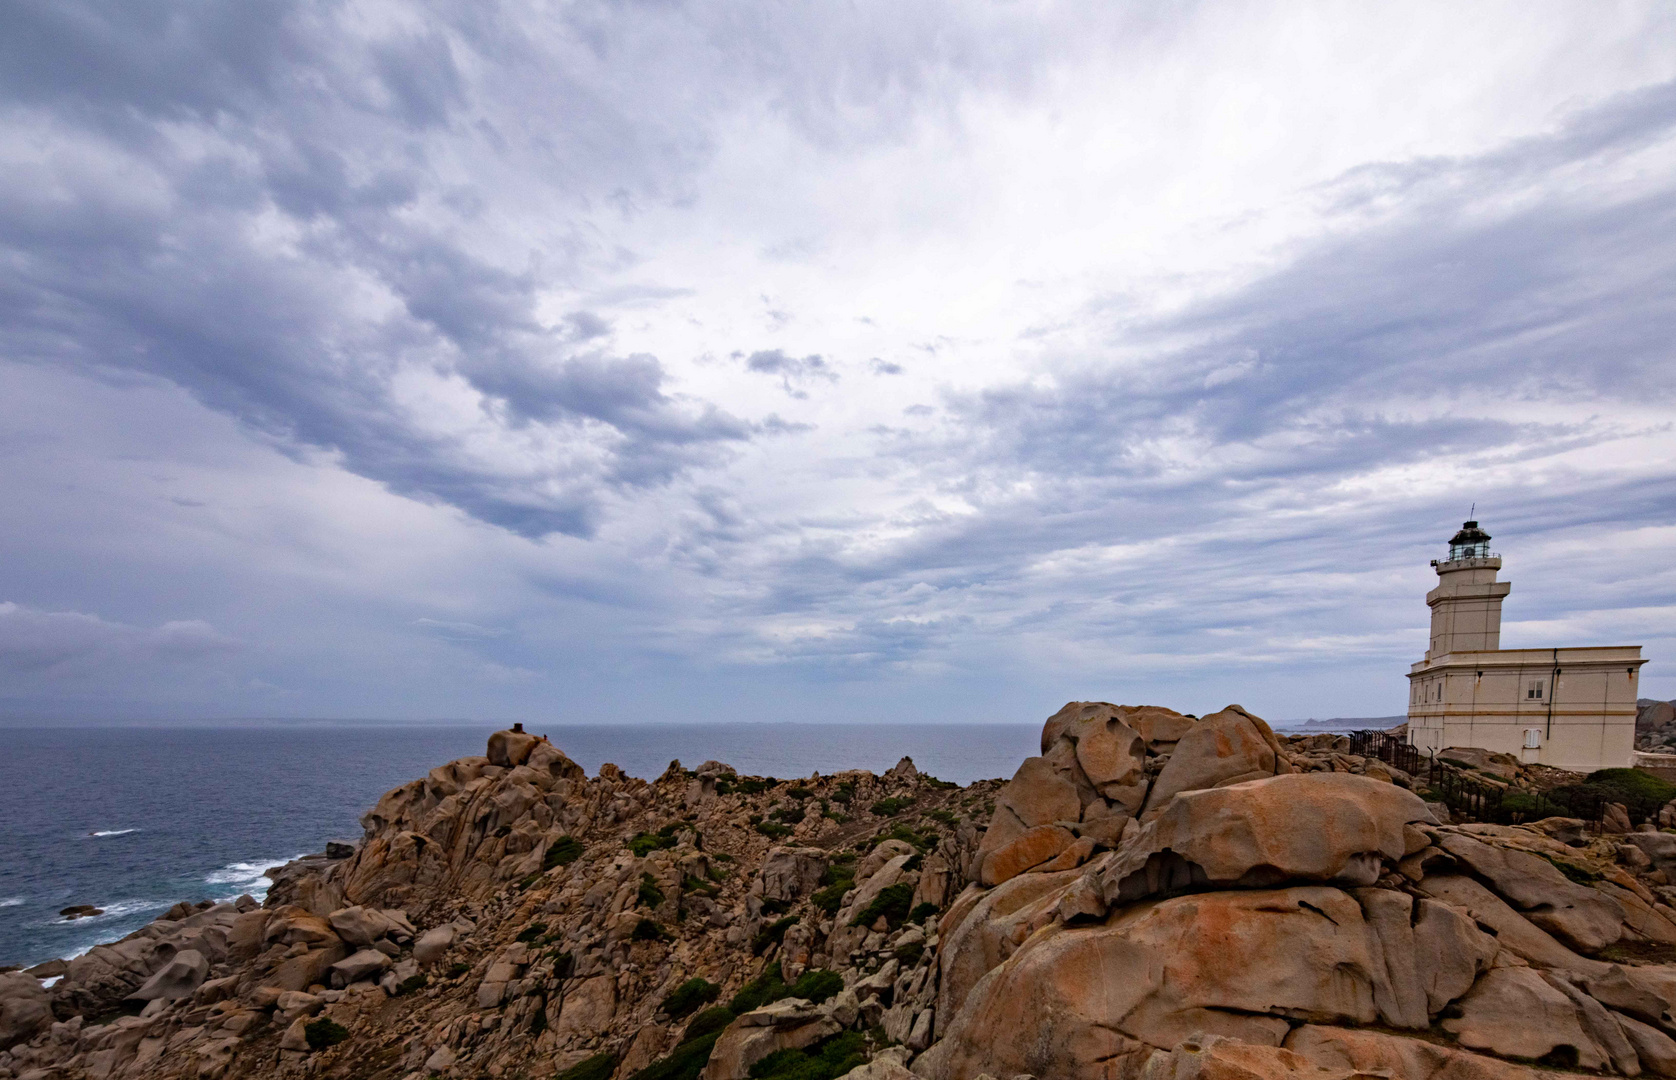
(1570, 707)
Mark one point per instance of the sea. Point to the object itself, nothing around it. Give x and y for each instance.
(132, 819)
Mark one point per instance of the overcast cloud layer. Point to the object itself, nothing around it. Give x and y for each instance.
(715, 361)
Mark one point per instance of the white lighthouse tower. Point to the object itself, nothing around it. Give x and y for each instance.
(1573, 708)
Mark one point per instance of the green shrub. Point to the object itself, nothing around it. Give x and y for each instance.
(708, 1022)
(647, 930)
(755, 785)
(791, 815)
(921, 841)
(923, 912)
(892, 902)
(910, 953)
(532, 931)
(411, 984)
(772, 935)
(943, 816)
(561, 852)
(837, 879)
(649, 894)
(598, 1067)
(826, 1060)
(646, 843)
(831, 898)
(845, 792)
(773, 830)
(1631, 784)
(322, 1033)
(892, 806)
(689, 996)
(772, 906)
(685, 1063)
(691, 884)
(816, 985)
(724, 787)
(799, 792)
(456, 970)
(765, 988)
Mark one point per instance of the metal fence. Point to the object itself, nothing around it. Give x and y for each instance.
(1479, 800)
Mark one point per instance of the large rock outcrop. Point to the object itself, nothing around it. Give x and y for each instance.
(1155, 897)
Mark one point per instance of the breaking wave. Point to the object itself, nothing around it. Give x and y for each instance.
(117, 910)
(246, 877)
(113, 832)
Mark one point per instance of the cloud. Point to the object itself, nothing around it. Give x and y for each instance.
(459, 629)
(1220, 316)
(792, 370)
(290, 259)
(69, 643)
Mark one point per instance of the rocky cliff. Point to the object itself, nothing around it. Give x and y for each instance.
(1155, 896)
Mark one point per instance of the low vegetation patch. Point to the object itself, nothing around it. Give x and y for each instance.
(598, 1067)
(690, 996)
(562, 852)
(685, 1063)
(646, 843)
(708, 1022)
(758, 992)
(892, 806)
(837, 879)
(649, 930)
(920, 841)
(772, 934)
(323, 1033)
(817, 985)
(649, 895)
(892, 903)
(826, 1060)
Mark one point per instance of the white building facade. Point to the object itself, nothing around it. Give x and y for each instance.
(1572, 708)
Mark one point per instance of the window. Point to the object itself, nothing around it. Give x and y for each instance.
(1533, 738)
(1533, 691)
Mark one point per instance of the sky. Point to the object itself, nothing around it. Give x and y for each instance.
(661, 361)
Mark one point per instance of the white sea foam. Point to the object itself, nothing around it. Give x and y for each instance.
(246, 877)
(12, 901)
(48, 984)
(113, 832)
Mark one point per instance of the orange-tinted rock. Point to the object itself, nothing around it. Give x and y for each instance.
(1236, 964)
(1375, 1053)
(1224, 748)
(510, 748)
(1515, 1013)
(1302, 827)
(1032, 848)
